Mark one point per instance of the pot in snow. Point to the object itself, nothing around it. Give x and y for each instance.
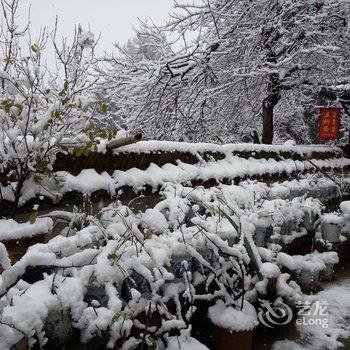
(308, 279)
(345, 209)
(231, 328)
(331, 226)
(330, 259)
(224, 339)
(331, 232)
(58, 326)
(327, 273)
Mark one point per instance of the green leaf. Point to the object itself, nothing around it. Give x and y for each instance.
(112, 132)
(37, 179)
(78, 151)
(42, 167)
(89, 127)
(112, 256)
(32, 217)
(56, 114)
(116, 318)
(224, 214)
(64, 148)
(151, 343)
(103, 134)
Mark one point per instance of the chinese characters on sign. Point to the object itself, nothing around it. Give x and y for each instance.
(330, 124)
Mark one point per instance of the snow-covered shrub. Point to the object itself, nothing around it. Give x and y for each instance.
(135, 260)
(42, 111)
(139, 278)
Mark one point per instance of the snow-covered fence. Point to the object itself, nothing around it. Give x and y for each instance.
(148, 165)
(142, 154)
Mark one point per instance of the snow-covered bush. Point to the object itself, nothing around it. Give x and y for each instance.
(42, 112)
(151, 270)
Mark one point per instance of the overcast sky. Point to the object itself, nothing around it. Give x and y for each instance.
(112, 18)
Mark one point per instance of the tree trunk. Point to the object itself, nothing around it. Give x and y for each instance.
(269, 105)
(273, 87)
(17, 194)
(267, 115)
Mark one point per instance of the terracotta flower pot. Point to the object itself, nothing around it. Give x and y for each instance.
(224, 339)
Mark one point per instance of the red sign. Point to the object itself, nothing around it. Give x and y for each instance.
(330, 123)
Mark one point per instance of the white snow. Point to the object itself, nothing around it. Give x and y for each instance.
(155, 146)
(192, 237)
(345, 207)
(233, 319)
(269, 270)
(10, 229)
(88, 181)
(332, 218)
(336, 297)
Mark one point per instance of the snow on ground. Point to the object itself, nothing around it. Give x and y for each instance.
(315, 337)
